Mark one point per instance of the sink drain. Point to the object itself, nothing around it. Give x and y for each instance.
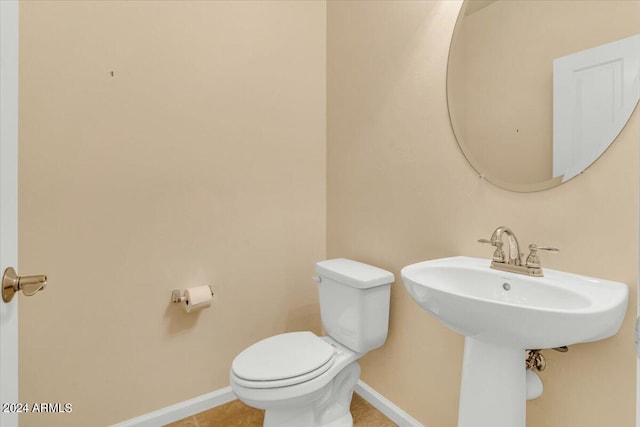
(506, 286)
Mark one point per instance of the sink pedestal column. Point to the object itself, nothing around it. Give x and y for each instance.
(493, 390)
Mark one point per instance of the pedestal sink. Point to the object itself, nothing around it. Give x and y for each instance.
(501, 314)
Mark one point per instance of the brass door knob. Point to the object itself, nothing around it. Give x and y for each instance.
(29, 285)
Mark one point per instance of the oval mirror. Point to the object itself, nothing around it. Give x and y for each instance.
(537, 90)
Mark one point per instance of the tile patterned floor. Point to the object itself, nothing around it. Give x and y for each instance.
(237, 414)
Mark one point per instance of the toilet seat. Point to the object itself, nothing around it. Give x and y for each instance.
(283, 360)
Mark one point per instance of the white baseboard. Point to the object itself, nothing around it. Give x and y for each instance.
(225, 395)
(181, 410)
(385, 406)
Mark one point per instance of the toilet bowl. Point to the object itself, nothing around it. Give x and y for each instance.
(319, 397)
(302, 380)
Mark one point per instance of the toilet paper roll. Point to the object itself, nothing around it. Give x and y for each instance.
(197, 298)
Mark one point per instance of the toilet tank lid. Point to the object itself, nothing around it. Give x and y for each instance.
(354, 273)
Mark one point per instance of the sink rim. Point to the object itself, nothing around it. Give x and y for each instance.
(601, 295)
(513, 324)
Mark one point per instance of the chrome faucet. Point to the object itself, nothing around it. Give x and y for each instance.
(514, 247)
(513, 262)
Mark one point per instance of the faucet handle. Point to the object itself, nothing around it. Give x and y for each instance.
(534, 247)
(498, 254)
(532, 260)
(496, 243)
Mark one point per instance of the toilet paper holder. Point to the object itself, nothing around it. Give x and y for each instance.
(177, 295)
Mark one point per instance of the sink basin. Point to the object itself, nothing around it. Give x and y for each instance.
(513, 309)
(501, 314)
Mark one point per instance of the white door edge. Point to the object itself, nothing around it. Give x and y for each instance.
(8, 202)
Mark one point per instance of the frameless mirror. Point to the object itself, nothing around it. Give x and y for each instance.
(537, 89)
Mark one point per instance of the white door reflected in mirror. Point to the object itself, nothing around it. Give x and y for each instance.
(594, 94)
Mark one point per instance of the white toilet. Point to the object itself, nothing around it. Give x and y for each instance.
(303, 380)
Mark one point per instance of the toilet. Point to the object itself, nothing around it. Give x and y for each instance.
(303, 380)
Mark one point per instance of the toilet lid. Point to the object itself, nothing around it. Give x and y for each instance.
(284, 356)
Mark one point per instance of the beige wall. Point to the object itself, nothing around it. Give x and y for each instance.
(201, 160)
(400, 191)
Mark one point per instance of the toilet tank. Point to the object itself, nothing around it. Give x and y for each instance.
(354, 302)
